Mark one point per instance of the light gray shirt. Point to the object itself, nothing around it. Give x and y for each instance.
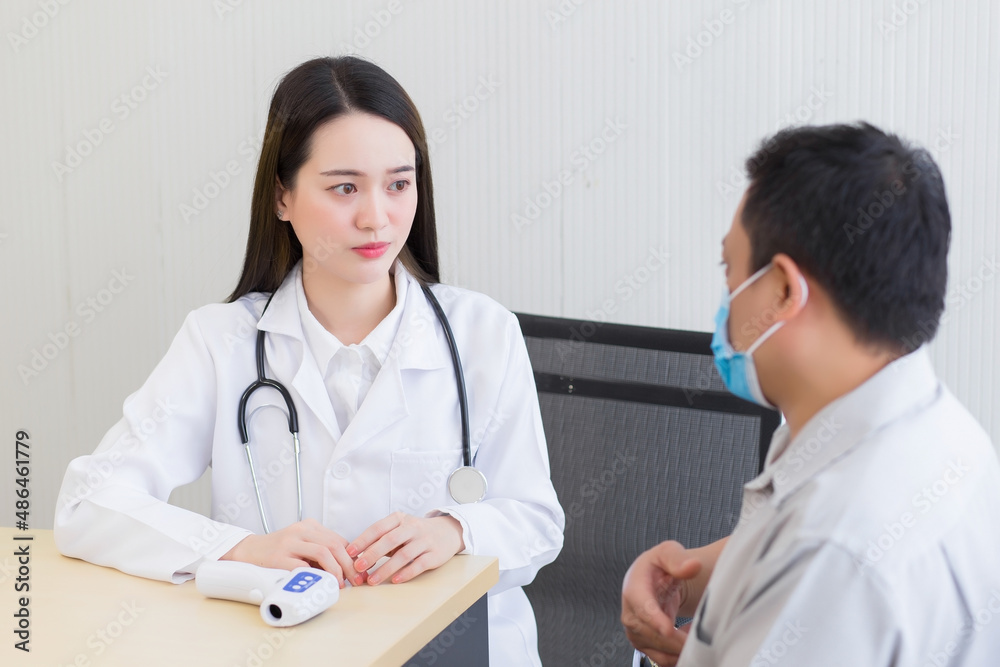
(871, 539)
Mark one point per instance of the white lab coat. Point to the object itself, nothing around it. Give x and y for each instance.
(396, 453)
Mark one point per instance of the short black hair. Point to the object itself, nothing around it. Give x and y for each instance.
(865, 215)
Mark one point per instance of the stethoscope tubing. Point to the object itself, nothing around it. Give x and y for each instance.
(293, 418)
(463, 400)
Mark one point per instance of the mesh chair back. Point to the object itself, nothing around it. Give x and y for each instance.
(645, 445)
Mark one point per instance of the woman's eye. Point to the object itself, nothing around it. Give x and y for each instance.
(344, 189)
(399, 186)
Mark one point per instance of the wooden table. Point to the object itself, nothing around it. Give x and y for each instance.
(82, 614)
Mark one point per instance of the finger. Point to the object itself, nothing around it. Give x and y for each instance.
(346, 564)
(384, 546)
(332, 543)
(641, 612)
(663, 659)
(403, 557)
(371, 534)
(675, 563)
(417, 566)
(646, 639)
(665, 646)
(322, 556)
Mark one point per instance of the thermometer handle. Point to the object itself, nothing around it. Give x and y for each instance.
(237, 581)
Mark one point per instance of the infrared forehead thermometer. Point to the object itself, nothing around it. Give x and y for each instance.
(285, 598)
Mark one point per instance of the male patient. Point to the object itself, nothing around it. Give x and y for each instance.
(873, 535)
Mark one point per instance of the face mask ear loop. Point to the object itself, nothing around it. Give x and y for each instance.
(749, 281)
(770, 332)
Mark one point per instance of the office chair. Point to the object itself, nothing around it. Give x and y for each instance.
(645, 445)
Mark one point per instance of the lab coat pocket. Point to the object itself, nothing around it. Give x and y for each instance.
(419, 479)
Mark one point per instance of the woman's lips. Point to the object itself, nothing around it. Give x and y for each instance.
(371, 250)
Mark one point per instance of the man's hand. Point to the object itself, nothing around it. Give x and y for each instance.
(655, 588)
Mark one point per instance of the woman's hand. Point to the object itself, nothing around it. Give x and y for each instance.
(415, 545)
(304, 544)
(654, 590)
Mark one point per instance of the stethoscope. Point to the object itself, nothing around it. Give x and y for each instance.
(466, 484)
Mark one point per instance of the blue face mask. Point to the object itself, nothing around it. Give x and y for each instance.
(737, 368)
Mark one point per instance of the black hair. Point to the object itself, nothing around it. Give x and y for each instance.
(308, 96)
(865, 215)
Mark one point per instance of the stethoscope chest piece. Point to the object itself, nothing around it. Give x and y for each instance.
(467, 485)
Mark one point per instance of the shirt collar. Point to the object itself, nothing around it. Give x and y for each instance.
(417, 341)
(324, 345)
(905, 385)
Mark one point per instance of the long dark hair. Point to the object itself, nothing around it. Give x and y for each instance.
(310, 95)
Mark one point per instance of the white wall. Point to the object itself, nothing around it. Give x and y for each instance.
(598, 90)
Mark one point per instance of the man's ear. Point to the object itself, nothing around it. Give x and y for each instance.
(793, 285)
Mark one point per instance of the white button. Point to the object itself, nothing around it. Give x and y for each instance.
(342, 470)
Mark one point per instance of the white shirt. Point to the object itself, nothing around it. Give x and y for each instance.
(874, 540)
(395, 454)
(349, 370)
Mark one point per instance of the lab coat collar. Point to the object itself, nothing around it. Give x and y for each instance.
(904, 386)
(420, 342)
(282, 316)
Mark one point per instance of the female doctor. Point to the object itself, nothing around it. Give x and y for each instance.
(342, 240)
